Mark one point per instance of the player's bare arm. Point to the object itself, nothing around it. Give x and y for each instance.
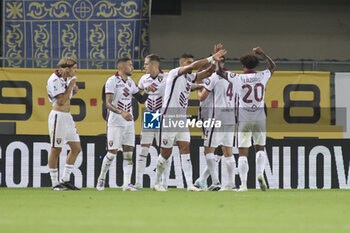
(272, 65)
(196, 86)
(206, 73)
(109, 98)
(202, 95)
(197, 64)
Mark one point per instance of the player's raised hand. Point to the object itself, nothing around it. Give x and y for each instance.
(127, 116)
(75, 89)
(218, 56)
(150, 88)
(217, 47)
(258, 50)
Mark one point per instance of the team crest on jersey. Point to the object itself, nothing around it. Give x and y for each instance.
(232, 75)
(160, 78)
(110, 143)
(129, 83)
(165, 141)
(207, 81)
(126, 92)
(58, 140)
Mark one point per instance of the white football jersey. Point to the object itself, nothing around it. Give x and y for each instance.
(177, 91)
(56, 85)
(154, 101)
(251, 92)
(205, 105)
(222, 101)
(122, 100)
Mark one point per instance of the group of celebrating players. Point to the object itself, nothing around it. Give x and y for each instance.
(237, 100)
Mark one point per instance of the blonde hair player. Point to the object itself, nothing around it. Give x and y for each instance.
(60, 89)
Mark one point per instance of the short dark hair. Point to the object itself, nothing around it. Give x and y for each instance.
(186, 55)
(250, 61)
(122, 60)
(153, 57)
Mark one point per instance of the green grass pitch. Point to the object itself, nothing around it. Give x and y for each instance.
(42, 210)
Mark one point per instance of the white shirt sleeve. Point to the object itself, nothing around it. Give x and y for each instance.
(266, 74)
(209, 83)
(109, 87)
(141, 86)
(134, 88)
(56, 87)
(231, 76)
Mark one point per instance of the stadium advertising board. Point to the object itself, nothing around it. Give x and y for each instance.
(292, 163)
(296, 101)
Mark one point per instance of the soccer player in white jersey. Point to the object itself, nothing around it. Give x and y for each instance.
(177, 91)
(221, 108)
(251, 115)
(62, 128)
(215, 91)
(120, 89)
(156, 78)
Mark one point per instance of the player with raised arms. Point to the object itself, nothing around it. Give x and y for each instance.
(221, 104)
(177, 90)
(251, 115)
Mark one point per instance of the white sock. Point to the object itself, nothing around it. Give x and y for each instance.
(211, 164)
(205, 174)
(141, 165)
(54, 176)
(68, 168)
(187, 168)
(260, 163)
(243, 169)
(127, 167)
(161, 164)
(230, 164)
(217, 160)
(166, 173)
(106, 164)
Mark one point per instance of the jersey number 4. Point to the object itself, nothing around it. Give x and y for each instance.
(229, 91)
(258, 92)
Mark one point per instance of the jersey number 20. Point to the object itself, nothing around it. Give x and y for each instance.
(258, 92)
